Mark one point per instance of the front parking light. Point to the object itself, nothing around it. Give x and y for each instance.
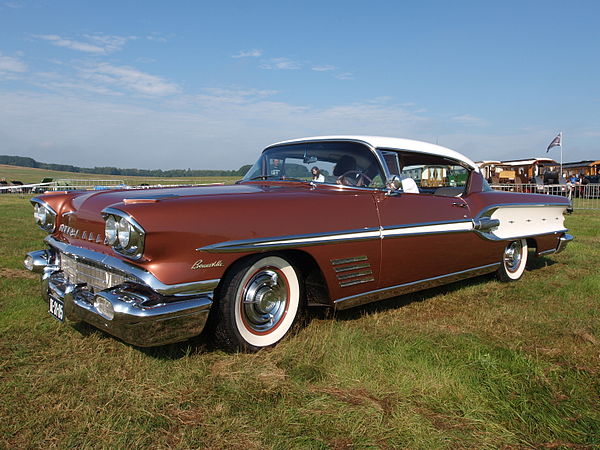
(104, 307)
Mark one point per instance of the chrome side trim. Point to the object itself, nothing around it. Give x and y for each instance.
(547, 252)
(336, 262)
(406, 288)
(346, 268)
(414, 229)
(490, 237)
(353, 267)
(481, 225)
(144, 277)
(293, 241)
(489, 210)
(355, 282)
(304, 240)
(346, 276)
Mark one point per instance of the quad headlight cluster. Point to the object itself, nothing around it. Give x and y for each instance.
(44, 215)
(123, 233)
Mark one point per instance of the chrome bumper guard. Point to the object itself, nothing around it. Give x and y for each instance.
(563, 242)
(135, 313)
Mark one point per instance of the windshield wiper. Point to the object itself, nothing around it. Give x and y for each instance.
(263, 177)
(275, 177)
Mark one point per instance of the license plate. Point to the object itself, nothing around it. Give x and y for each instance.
(56, 308)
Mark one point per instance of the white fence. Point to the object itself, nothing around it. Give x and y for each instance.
(583, 196)
(65, 184)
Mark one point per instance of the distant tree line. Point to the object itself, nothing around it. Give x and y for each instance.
(23, 161)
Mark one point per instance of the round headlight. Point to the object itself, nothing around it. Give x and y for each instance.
(124, 232)
(44, 216)
(110, 230)
(39, 214)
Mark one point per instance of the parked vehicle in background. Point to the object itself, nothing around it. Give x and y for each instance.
(43, 187)
(388, 217)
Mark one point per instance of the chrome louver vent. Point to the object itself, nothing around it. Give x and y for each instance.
(78, 271)
(352, 271)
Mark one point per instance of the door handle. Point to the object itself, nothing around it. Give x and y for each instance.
(459, 205)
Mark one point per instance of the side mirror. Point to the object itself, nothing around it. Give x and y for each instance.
(394, 183)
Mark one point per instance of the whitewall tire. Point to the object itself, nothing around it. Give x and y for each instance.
(514, 260)
(259, 303)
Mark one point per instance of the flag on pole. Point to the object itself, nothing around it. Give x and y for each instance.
(556, 142)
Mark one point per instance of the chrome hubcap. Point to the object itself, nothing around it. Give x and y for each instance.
(512, 256)
(264, 300)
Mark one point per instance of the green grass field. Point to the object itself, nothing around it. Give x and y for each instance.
(476, 364)
(30, 175)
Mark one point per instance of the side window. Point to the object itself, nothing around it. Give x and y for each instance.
(436, 176)
(427, 174)
(391, 161)
(347, 163)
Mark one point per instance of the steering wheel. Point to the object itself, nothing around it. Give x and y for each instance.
(354, 178)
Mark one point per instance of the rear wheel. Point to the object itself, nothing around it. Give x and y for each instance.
(258, 304)
(514, 260)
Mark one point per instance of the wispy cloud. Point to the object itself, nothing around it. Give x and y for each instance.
(248, 54)
(323, 68)
(205, 123)
(344, 76)
(71, 86)
(70, 43)
(99, 43)
(201, 125)
(13, 4)
(157, 37)
(468, 119)
(10, 66)
(129, 79)
(145, 60)
(110, 43)
(235, 95)
(280, 64)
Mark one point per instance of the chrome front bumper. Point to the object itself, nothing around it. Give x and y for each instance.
(133, 312)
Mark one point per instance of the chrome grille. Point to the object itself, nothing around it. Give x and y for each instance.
(78, 271)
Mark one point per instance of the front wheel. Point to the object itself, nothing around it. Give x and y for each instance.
(514, 260)
(258, 304)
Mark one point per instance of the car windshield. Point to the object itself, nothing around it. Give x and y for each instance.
(346, 163)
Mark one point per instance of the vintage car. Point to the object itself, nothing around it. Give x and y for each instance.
(337, 221)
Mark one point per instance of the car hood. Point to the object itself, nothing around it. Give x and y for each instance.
(80, 219)
(98, 200)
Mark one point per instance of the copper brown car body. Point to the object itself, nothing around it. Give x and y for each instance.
(254, 254)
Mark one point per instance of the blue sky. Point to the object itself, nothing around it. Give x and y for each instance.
(199, 84)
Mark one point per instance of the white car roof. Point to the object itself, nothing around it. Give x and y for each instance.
(392, 143)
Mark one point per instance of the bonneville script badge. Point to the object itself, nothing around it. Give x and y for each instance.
(200, 264)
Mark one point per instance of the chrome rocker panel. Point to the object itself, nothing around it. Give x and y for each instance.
(407, 288)
(142, 317)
